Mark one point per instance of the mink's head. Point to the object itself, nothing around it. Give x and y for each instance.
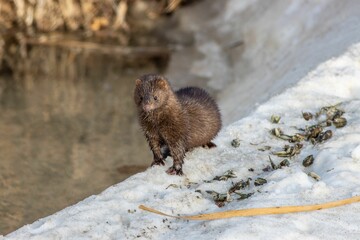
(151, 92)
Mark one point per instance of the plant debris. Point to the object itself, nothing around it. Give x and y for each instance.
(289, 151)
(323, 136)
(339, 122)
(240, 188)
(220, 198)
(240, 185)
(243, 195)
(264, 148)
(173, 185)
(283, 163)
(314, 176)
(272, 164)
(331, 112)
(188, 184)
(316, 133)
(277, 132)
(235, 142)
(308, 161)
(313, 132)
(260, 181)
(131, 210)
(275, 119)
(334, 117)
(267, 168)
(307, 116)
(228, 174)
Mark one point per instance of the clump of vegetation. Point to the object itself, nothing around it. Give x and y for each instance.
(314, 134)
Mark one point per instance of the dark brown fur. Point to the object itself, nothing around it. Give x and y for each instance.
(175, 122)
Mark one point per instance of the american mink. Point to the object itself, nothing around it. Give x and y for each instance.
(175, 122)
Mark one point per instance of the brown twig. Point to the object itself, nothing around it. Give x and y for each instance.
(259, 211)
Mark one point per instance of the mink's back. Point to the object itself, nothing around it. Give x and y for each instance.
(204, 120)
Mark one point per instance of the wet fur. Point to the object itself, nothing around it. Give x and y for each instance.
(175, 122)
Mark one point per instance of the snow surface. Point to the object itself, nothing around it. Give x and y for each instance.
(255, 49)
(114, 213)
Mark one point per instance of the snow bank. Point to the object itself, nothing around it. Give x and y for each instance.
(114, 214)
(254, 49)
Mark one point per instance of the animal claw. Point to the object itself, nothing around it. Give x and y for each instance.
(173, 171)
(209, 145)
(158, 162)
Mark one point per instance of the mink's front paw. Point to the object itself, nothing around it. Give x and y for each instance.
(175, 171)
(158, 162)
(209, 145)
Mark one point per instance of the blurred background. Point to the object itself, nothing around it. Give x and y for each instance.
(68, 126)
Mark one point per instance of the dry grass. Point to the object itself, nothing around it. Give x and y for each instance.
(74, 15)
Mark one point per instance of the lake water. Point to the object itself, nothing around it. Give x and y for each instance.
(66, 132)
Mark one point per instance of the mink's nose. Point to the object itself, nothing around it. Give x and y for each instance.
(148, 107)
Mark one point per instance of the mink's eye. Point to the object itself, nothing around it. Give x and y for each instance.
(155, 98)
(141, 98)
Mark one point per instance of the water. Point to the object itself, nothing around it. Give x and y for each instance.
(65, 135)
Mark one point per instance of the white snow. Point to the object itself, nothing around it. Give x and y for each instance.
(255, 49)
(114, 213)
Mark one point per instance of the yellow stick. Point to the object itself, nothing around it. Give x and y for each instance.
(258, 211)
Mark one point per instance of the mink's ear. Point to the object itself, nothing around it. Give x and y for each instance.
(162, 83)
(137, 82)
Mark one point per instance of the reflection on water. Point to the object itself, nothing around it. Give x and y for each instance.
(63, 139)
